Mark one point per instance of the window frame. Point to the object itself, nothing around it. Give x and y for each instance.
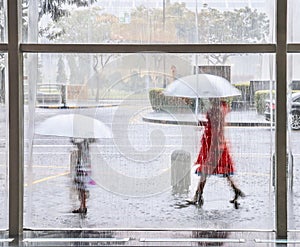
(15, 50)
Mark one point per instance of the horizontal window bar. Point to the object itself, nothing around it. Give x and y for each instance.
(276, 241)
(293, 48)
(6, 240)
(71, 240)
(150, 229)
(3, 47)
(207, 240)
(133, 48)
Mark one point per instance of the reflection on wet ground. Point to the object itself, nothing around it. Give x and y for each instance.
(88, 237)
(213, 236)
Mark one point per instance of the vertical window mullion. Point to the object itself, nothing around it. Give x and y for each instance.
(281, 119)
(16, 146)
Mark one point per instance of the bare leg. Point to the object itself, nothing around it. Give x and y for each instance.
(237, 192)
(83, 201)
(201, 185)
(82, 208)
(199, 191)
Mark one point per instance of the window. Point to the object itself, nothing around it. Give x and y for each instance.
(132, 170)
(150, 22)
(121, 52)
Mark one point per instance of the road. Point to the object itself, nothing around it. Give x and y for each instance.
(137, 162)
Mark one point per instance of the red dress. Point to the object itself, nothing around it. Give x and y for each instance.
(214, 157)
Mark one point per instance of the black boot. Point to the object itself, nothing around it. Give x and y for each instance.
(80, 211)
(195, 198)
(200, 200)
(237, 193)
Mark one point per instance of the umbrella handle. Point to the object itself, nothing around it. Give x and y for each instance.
(196, 108)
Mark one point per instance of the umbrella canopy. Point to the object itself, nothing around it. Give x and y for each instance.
(201, 86)
(73, 125)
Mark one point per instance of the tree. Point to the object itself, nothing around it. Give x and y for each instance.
(82, 25)
(61, 72)
(172, 24)
(177, 24)
(243, 25)
(57, 8)
(74, 69)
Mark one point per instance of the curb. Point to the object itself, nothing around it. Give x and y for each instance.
(74, 106)
(230, 124)
(160, 121)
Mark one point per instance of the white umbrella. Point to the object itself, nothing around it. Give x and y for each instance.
(201, 86)
(73, 125)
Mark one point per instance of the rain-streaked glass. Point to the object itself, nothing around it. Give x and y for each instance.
(132, 182)
(293, 118)
(3, 144)
(3, 21)
(149, 22)
(292, 24)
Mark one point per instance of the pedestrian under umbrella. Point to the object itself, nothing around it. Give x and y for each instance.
(82, 173)
(214, 157)
(82, 130)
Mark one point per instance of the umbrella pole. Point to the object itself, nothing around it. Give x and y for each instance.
(196, 109)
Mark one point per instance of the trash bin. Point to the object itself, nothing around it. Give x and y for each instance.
(180, 171)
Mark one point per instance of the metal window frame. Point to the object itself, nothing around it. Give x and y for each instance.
(15, 51)
(281, 122)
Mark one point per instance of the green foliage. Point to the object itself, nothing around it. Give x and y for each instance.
(156, 98)
(260, 98)
(83, 25)
(177, 22)
(161, 102)
(240, 25)
(55, 7)
(244, 25)
(244, 87)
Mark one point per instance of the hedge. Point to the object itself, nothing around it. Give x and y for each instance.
(161, 102)
(244, 87)
(260, 98)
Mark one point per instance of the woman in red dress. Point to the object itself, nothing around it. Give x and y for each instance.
(214, 157)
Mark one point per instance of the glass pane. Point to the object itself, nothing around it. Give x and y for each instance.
(104, 124)
(293, 13)
(293, 142)
(3, 21)
(3, 144)
(141, 21)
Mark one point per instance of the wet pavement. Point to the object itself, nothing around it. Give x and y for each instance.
(133, 184)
